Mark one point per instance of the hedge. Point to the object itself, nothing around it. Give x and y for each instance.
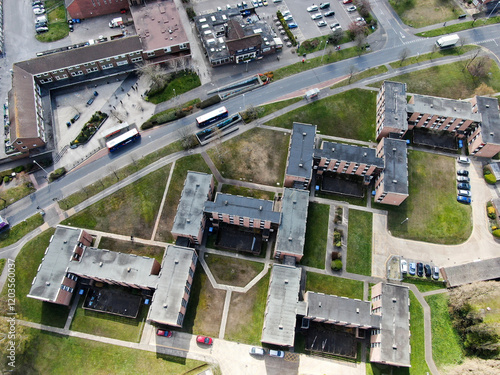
(490, 178)
(58, 173)
(208, 102)
(496, 232)
(336, 265)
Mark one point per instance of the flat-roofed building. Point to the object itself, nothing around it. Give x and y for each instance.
(282, 306)
(391, 187)
(94, 8)
(292, 230)
(391, 343)
(173, 287)
(391, 119)
(300, 156)
(484, 140)
(189, 221)
(244, 212)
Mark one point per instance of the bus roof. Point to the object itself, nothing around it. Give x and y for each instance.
(121, 138)
(115, 129)
(209, 115)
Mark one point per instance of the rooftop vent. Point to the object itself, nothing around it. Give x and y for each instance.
(394, 149)
(365, 154)
(280, 326)
(319, 304)
(129, 269)
(333, 149)
(286, 281)
(65, 241)
(487, 106)
(304, 134)
(492, 133)
(100, 264)
(301, 165)
(225, 203)
(394, 300)
(165, 305)
(260, 208)
(455, 109)
(394, 347)
(176, 261)
(357, 310)
(47, 283)
(188, 220)
(289, 238)
(432, 105)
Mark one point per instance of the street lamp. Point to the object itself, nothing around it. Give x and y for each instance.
(43, 169)
(324, 49)
(405, 220)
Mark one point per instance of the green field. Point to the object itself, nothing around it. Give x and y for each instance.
(446, 343)
(58, 27)
(13, 234)
(425, 285)
(361, 75)
(359, 243)
(433, 213)
(433, 55)
(337, 286)
(420, 13)
(183, 82)
(350, 114)
(132, 210)
(316, 235)
(266, 109)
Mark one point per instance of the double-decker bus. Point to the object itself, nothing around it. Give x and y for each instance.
(123, 139)
(211, 117)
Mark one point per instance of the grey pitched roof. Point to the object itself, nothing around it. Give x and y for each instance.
(300, 157)
(292, 230)
(190, 209)
(395, 105)
(349, 153)
(396, 166)
(482, 270)
(282, 305)
(490, 119)
(244, 207)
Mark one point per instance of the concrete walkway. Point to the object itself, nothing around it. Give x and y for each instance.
(162, 204)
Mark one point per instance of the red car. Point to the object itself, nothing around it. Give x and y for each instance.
(161, 332)
(204, 340)
(347, 1)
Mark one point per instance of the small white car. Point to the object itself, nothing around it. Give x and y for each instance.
(288, 17)
(257, 351)
(277, 353)
(404, 266)
(463, 160)
(312, 8)
(321, 23)
(316, 16)
(352, 8)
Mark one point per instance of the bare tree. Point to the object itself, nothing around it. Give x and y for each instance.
(154, 74)
(117, 115)
(476, 54)
(112, 169)
(403, 56)
(364, 8)
(360, 42)
(335, 37)
(352, 71)
(188, 139)
(480, 67)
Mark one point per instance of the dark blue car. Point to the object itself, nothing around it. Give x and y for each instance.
(463, 186)
(462, 199)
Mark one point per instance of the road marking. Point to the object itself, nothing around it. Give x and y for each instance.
(402, 35)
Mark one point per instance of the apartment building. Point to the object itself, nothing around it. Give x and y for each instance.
(299, 165)
(94, 8)
(391, 118)
(189, 221)
(484, 140)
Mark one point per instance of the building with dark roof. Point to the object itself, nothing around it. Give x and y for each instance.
(391, 186)
(189, 221)
(235, 36)
(391, 110)
(484, 141)
(291, 235)
(300, 156)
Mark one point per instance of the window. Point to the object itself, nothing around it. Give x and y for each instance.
(183, 46)
(191, 272)
(136, 59)
(184, 303)
(167, 49)
(180, 319)
(186, 290)
(151, 54)
(120, 63)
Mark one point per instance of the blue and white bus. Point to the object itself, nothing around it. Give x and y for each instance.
(123, 139)
(211, 117)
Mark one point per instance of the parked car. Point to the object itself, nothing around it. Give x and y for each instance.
(352, 8)
(288, 17)
(204, 340)
(255, 3)
(347, 1)
(260, 3)
(420, 269)
(412, 269)
(257, 351)
(463, 179)
(37, 3)
(75, 117)
(285, 13)
(324, 5)
(161, 332)
(463, 172)
(463, 160)
(427, 269)
(463, 186)
(277, 353)
(38, 11)
(360, 20)
(435, 273)
(316, 16)
(292, 25)
(465, 193)
(321, 23)
(404, 266)
(334, 25)
(462, 199)
(265, 3)
(312, 8)
(42, 29)
(330, 13)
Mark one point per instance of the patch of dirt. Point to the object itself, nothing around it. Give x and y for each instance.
(229, 271)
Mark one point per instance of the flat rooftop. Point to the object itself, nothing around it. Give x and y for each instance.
(282, 305)
(52, 269)
(481, 270)
(292, 230)
(238, 205)
(395, 166)
(490, 119)
(348, 153)
(395, 105)
(442, 107)
(158, 24)
(170, 290)
(300, 156)
(190, 209)
(341, 310)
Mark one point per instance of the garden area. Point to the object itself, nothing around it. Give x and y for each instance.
(316, 235)
(359, 243)
(90, 128)
(350, 114)
(420, 13)
(232, 271)
(57, 23)
(333, 285)
(176, 84)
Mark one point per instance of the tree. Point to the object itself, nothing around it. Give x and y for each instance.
(355, 29)
(173, 64)
(154, 74)
(360, 42)
(335, 37)
(188, 140)
(403, 55)
(364, 8)
(352, 71)
(12, 344)
(480, 67)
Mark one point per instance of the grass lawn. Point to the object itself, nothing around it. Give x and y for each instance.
(82, 357)
(459, 27)
(316, 235)
(204, 311)
(417, 357)
(246, 314)
(182, 166)
(420, 13)
(258, 155)
(183, 82)
(58, 27)
(116, 175)
(433, 55)
(232, 271)
(13, 194)
(362, 75)
(344, 198)
(27, 263)
(359, 243)
(132, 210)
(247, 192)
(2, 265)
(337, 286)
(446, 346)
(266, 109)
(448, 81)
(350, 114)
(130, 247)
(13, 234)
(424, 284)
(432, 208)
(108, 325)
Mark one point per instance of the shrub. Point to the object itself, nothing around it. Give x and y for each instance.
(336, 265)
(491, 212)
(190, 13)
(336, 255)
(490, 178)
(496, 232)
(6, 179)
(336, 236)
(58, 173)
(19, 169)
(210, 101)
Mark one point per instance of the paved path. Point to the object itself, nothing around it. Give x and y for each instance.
(160, 210)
